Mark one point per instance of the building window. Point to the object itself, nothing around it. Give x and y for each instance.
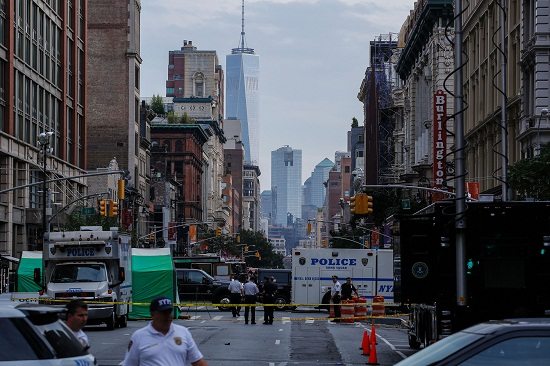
(198, 84)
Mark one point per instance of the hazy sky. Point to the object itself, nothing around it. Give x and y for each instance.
(313, 56)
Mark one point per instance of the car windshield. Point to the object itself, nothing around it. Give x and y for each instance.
(16, 341)
(441, 349)
(62, 339)
(79, 272)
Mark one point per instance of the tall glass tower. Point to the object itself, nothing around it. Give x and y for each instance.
(242, 95)
(286, 184)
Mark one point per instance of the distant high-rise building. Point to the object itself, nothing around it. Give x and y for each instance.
(266, 200)
(318, 178)
(242, 101)
(286, 177)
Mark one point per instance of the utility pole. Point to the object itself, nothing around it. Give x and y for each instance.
(44, 141)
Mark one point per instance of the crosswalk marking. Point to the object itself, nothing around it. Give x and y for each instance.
(286, 319)
(277, 341)
(310, 321)
(195, 317)
(217, 317)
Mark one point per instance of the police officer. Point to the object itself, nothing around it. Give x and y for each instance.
(347, 289)
(250, 293)
(161, 342)
(335, 294)
(236, 289)
(269, 292)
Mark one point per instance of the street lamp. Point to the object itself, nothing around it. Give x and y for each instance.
(44, 141)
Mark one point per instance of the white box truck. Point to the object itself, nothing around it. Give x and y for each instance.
(371, 272)
(92, 265)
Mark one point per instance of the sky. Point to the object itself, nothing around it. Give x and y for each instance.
(313, 57)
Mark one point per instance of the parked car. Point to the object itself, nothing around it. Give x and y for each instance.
(506, 342)
(283, 280)
(34, 335)
(197, 285)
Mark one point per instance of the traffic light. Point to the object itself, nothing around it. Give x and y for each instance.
(308, 228)
(238, 238)
(369, 205)
(257, 255)
(218, 231)
(103, 207)
(113, 209)
(246, 248)
(121, 188)
(352, 203)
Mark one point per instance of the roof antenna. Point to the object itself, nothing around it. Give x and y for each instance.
(242, 26)
(242, 48)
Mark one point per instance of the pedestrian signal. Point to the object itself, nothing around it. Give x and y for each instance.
(218, 231)
(308, 228)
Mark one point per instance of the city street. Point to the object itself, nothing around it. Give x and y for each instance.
(295, 338)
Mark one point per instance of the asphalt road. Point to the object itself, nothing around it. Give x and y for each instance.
(295, 338)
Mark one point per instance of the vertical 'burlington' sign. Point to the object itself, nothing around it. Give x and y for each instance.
(440, 138)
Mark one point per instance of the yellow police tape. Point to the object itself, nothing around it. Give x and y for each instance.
(190, 305)
(194, 304)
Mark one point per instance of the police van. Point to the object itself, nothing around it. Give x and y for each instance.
(371, 271)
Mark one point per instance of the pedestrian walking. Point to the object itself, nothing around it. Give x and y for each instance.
(250, 297)
(269, 289)
(77, 317)
(335, 296)
(236, 289)
(347, 289)
(162, 342)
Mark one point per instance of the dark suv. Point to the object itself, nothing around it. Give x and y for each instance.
(197, 285)
(283, 280)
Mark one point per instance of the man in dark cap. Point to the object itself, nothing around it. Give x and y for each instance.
(162, 342)
(269, 289)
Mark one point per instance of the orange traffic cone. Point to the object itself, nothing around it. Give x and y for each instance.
(365, 345)
(373, 339)
(373, 359)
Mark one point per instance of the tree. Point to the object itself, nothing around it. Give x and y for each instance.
(531, 177)
(186, 119)
(354, 123)
(157, 104)
(171, 117)
(257, 242)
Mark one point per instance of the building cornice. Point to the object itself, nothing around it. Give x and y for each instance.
(427, 14)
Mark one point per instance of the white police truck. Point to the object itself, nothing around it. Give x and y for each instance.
(371, 271)
(92, 265)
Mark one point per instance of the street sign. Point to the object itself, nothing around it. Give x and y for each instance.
(88, 211)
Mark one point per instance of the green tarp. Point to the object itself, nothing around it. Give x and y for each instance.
(25, 271)
(153, 275)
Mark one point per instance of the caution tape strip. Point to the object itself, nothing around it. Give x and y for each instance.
(194, 304)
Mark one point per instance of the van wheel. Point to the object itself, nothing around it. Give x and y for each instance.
(281, 303)
(122, 321)
(111, 321)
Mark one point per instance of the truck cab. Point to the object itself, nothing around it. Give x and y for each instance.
(90, 265)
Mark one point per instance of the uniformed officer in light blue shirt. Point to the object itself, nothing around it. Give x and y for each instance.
(161, 342)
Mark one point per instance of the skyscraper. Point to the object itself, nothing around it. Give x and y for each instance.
(318, 178)
(286, 178)
(242, 94)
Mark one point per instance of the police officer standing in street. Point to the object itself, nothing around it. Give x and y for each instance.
(162, 342)
(335, 295)
(269, 292)
(236, 290)
(250, 294)
(347, 289)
